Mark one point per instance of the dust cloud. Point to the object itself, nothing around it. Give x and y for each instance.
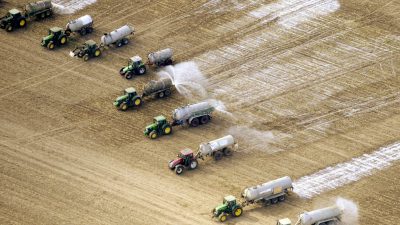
(350, 211)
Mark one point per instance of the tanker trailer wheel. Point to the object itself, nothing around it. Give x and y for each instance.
(227, 151)
(153, 134)
(83, 31)
(119, 44)
(22, 23)
(179, 169)
(89, 30)
(217, 155)
(281, 198)
(222, 217)
(142, 70)
(129, 75)
(161, 94)
(9, 27)
(97, 53)
(42, 15)
(167, 129)
(68, 32)
(194, 122)
(237, 211)
(125, 41)
(274, 200)
(193, 164)
(167, 93)
(168, 62)
(50, 45)
(86, 57)
(48, 13)
(204, 119)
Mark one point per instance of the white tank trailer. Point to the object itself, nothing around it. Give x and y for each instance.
(194, 115)
(160, 58)
(118, 37)
(270, 192)
(83, 25)
(40, 9)
(218, 148)
(160, 88)
(320, 216)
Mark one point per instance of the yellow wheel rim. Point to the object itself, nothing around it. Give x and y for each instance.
(223, 218)
(238, 212)
(10, 28)
(154, 136)
(22, 23)
(51, 46)
(137, 102)
(63, 40)
(167, 130)
(124, 107)
(97, 53)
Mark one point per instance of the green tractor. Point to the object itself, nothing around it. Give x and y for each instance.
(160, 126)
(56, 37)
(129, 99)
(135, 67)
(229, 206)
(88, 50)
(13, 19)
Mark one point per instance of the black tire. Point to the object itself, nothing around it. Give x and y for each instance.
(48, 13)
(193, 165)
(204, 119)
(42, 15)
(161, 94)
(119, 44)
(83, 31)
(125, 41)
(89, 30)
(195, 122)
(167, 93)
(22, 23)
(179, 169)
(123, 106)
(218, 155)
(227, 152)
(63, 40)
(121, 71)
(274, 200)
(167, 129)
(81, 54)
(142, 70)
(281, 198)
(86, 57)
(237, 211)
(68, 32)
(171, 168)
(9, 27)
(128, 75)
(153, 135)
(168, 62)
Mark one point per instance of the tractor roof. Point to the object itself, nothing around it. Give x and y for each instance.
(14, 11)
(160, 118)
(186, 151)
(55, 29)
(130, 90)
(90, 42)
(285, 221)
(230, 198)
(136, 58)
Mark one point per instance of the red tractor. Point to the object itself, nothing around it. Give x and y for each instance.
(185, 159)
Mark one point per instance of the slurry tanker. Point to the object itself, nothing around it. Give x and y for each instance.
(216, 148)
(270, 192)
(192, 115)
(325, 216)
(83, 25)
(17, 19)
(160, 89)
(137, 67)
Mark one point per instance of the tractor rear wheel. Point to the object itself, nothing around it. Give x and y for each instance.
(123, 106)
(86, 57)
(193, 164)
(237, 211)
(227, 151)
(63, 40)
(142, 70)
(97, 53)
(204, 119)
(153, 134)
(179, 169)
(9, 27)
(50, 45)
(217, 155)
(128, 75)
(137, 101)
(22, 23)
(167, 129)
(194, 122)
(222, 217)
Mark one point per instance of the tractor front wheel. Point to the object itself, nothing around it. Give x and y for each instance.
(236, 212)
(123, 106)
(86, 57)
(50, 45)
(179, 169)
(153, 134)
(222, 217)
(128, 75)
(121, 71)
(9, 28)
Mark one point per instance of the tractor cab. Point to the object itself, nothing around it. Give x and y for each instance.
(285, 221)
(55, 31)
(130, 92)
(90, 45)
(186, 155)
(159, 121)
(14, 13)
(229, 201)
(135, 61)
